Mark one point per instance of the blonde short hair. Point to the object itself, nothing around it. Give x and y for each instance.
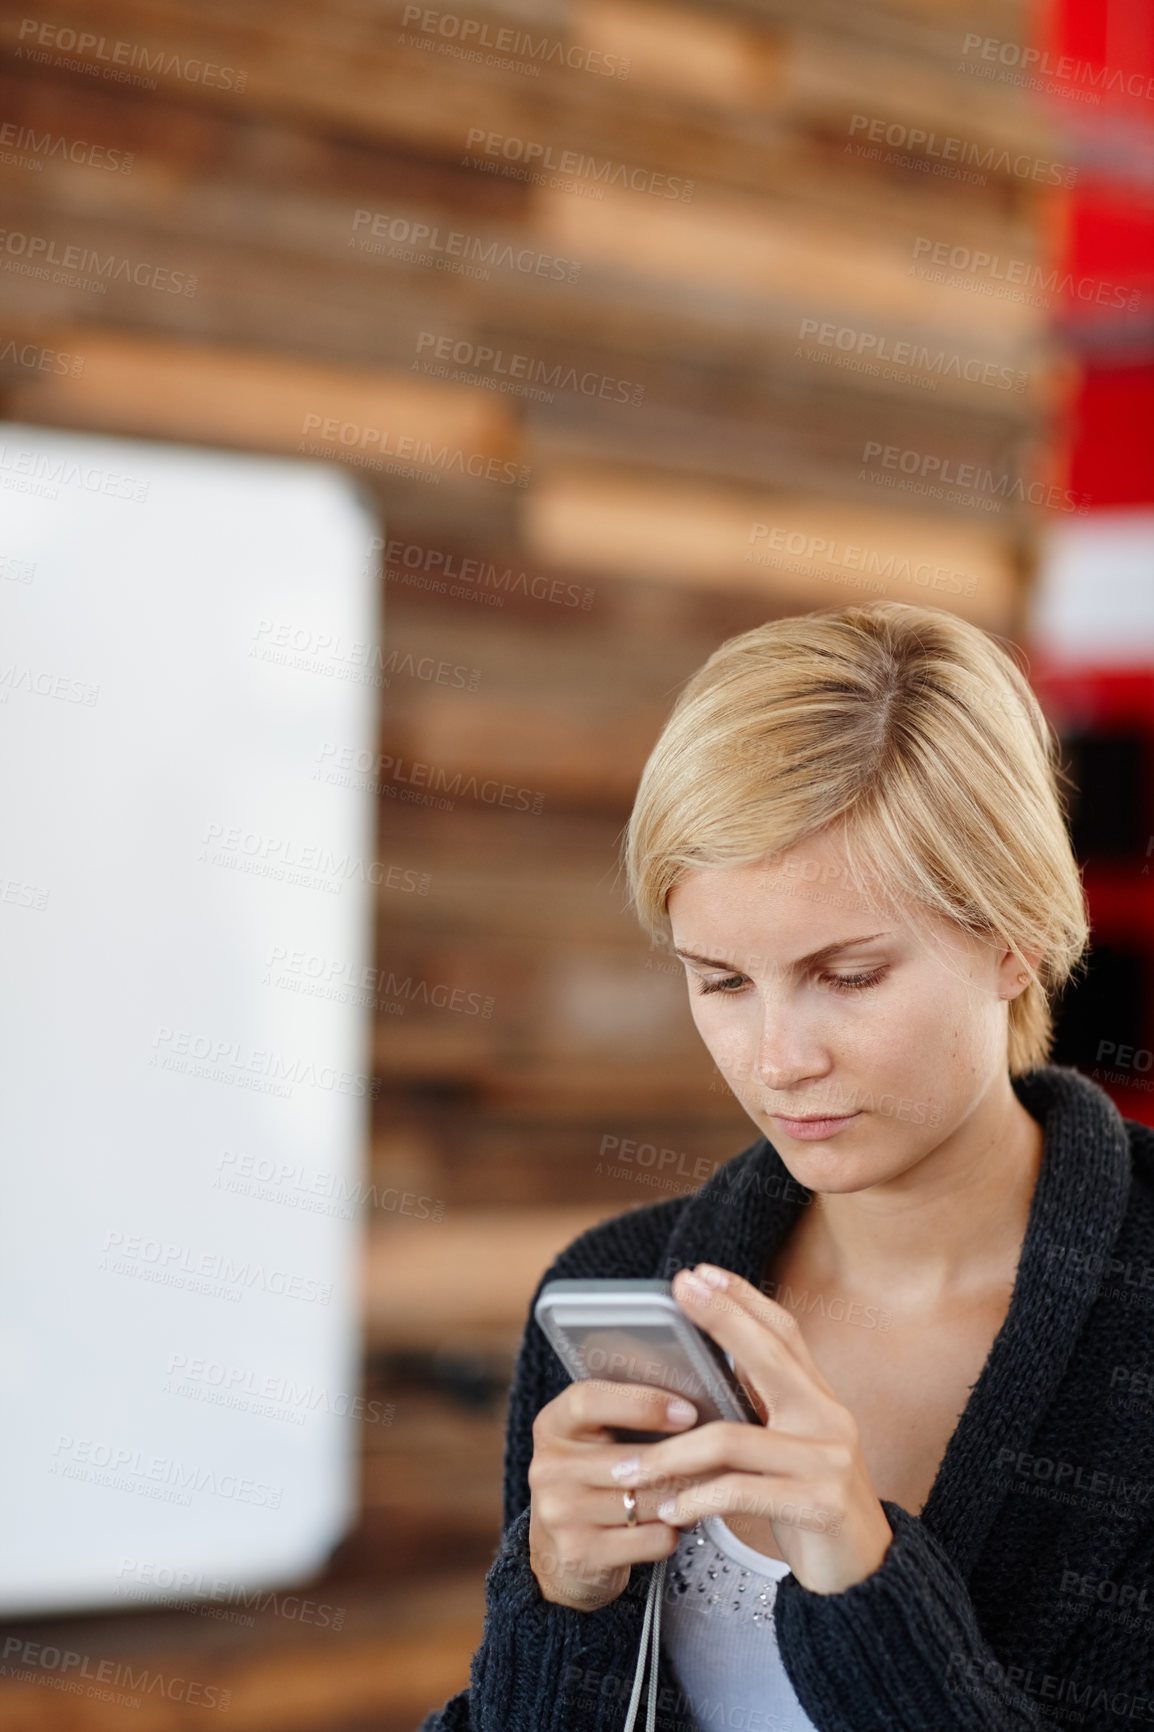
(913, 731)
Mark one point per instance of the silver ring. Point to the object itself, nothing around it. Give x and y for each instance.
(630, 1509)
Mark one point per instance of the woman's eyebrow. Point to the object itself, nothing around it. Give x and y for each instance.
(827, 950)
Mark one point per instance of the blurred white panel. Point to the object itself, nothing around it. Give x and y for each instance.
(1095, 595)
(184, 1133)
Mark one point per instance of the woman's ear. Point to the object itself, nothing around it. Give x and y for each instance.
(1012, 972)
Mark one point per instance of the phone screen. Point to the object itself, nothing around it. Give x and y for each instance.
(642, 1353)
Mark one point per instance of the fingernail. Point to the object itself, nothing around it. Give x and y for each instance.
(665, 1510)
(627, 1468)
(694, 1288)
(680, 1412)
(715, 1277)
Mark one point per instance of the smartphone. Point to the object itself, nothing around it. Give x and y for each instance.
(635, 1332)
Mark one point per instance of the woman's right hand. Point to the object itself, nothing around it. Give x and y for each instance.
(580, 1545)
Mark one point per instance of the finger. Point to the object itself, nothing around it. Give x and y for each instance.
(573, 1483)
(608, 1509)
(562, 1497)
(719, 1447)
(759, 1305)
(643, 1544)
(783, 1373)
(583, 1410)
(786, 1500)
(592, 1558)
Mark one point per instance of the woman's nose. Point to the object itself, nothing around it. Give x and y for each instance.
(782, 1059)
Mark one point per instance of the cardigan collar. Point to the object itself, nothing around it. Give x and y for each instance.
(743, 1213)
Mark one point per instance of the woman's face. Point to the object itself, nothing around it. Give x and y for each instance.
(890, 1039)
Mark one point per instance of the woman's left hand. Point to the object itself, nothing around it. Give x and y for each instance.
(803, 1467)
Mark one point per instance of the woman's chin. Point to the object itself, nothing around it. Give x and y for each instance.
(833, 1171)
(833, 1164)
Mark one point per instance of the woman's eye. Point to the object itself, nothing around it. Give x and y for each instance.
(732, 983)
(730, 980)
(854, 982)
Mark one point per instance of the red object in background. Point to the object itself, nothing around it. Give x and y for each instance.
(1110, 244)
(1114, 36)
(1106, 50)
(1111, 458)
(1104, 711)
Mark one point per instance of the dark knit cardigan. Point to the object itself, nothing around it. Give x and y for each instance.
(1022, 1596)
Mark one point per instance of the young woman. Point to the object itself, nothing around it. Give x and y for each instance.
(933, 1269)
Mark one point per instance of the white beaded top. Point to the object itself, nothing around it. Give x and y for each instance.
(718, 1635)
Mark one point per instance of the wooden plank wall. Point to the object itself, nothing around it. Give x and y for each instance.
(584, 292)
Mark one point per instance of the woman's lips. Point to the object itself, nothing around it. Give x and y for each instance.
(814, 1130)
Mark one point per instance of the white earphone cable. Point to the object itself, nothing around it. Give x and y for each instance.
(652, 1622)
